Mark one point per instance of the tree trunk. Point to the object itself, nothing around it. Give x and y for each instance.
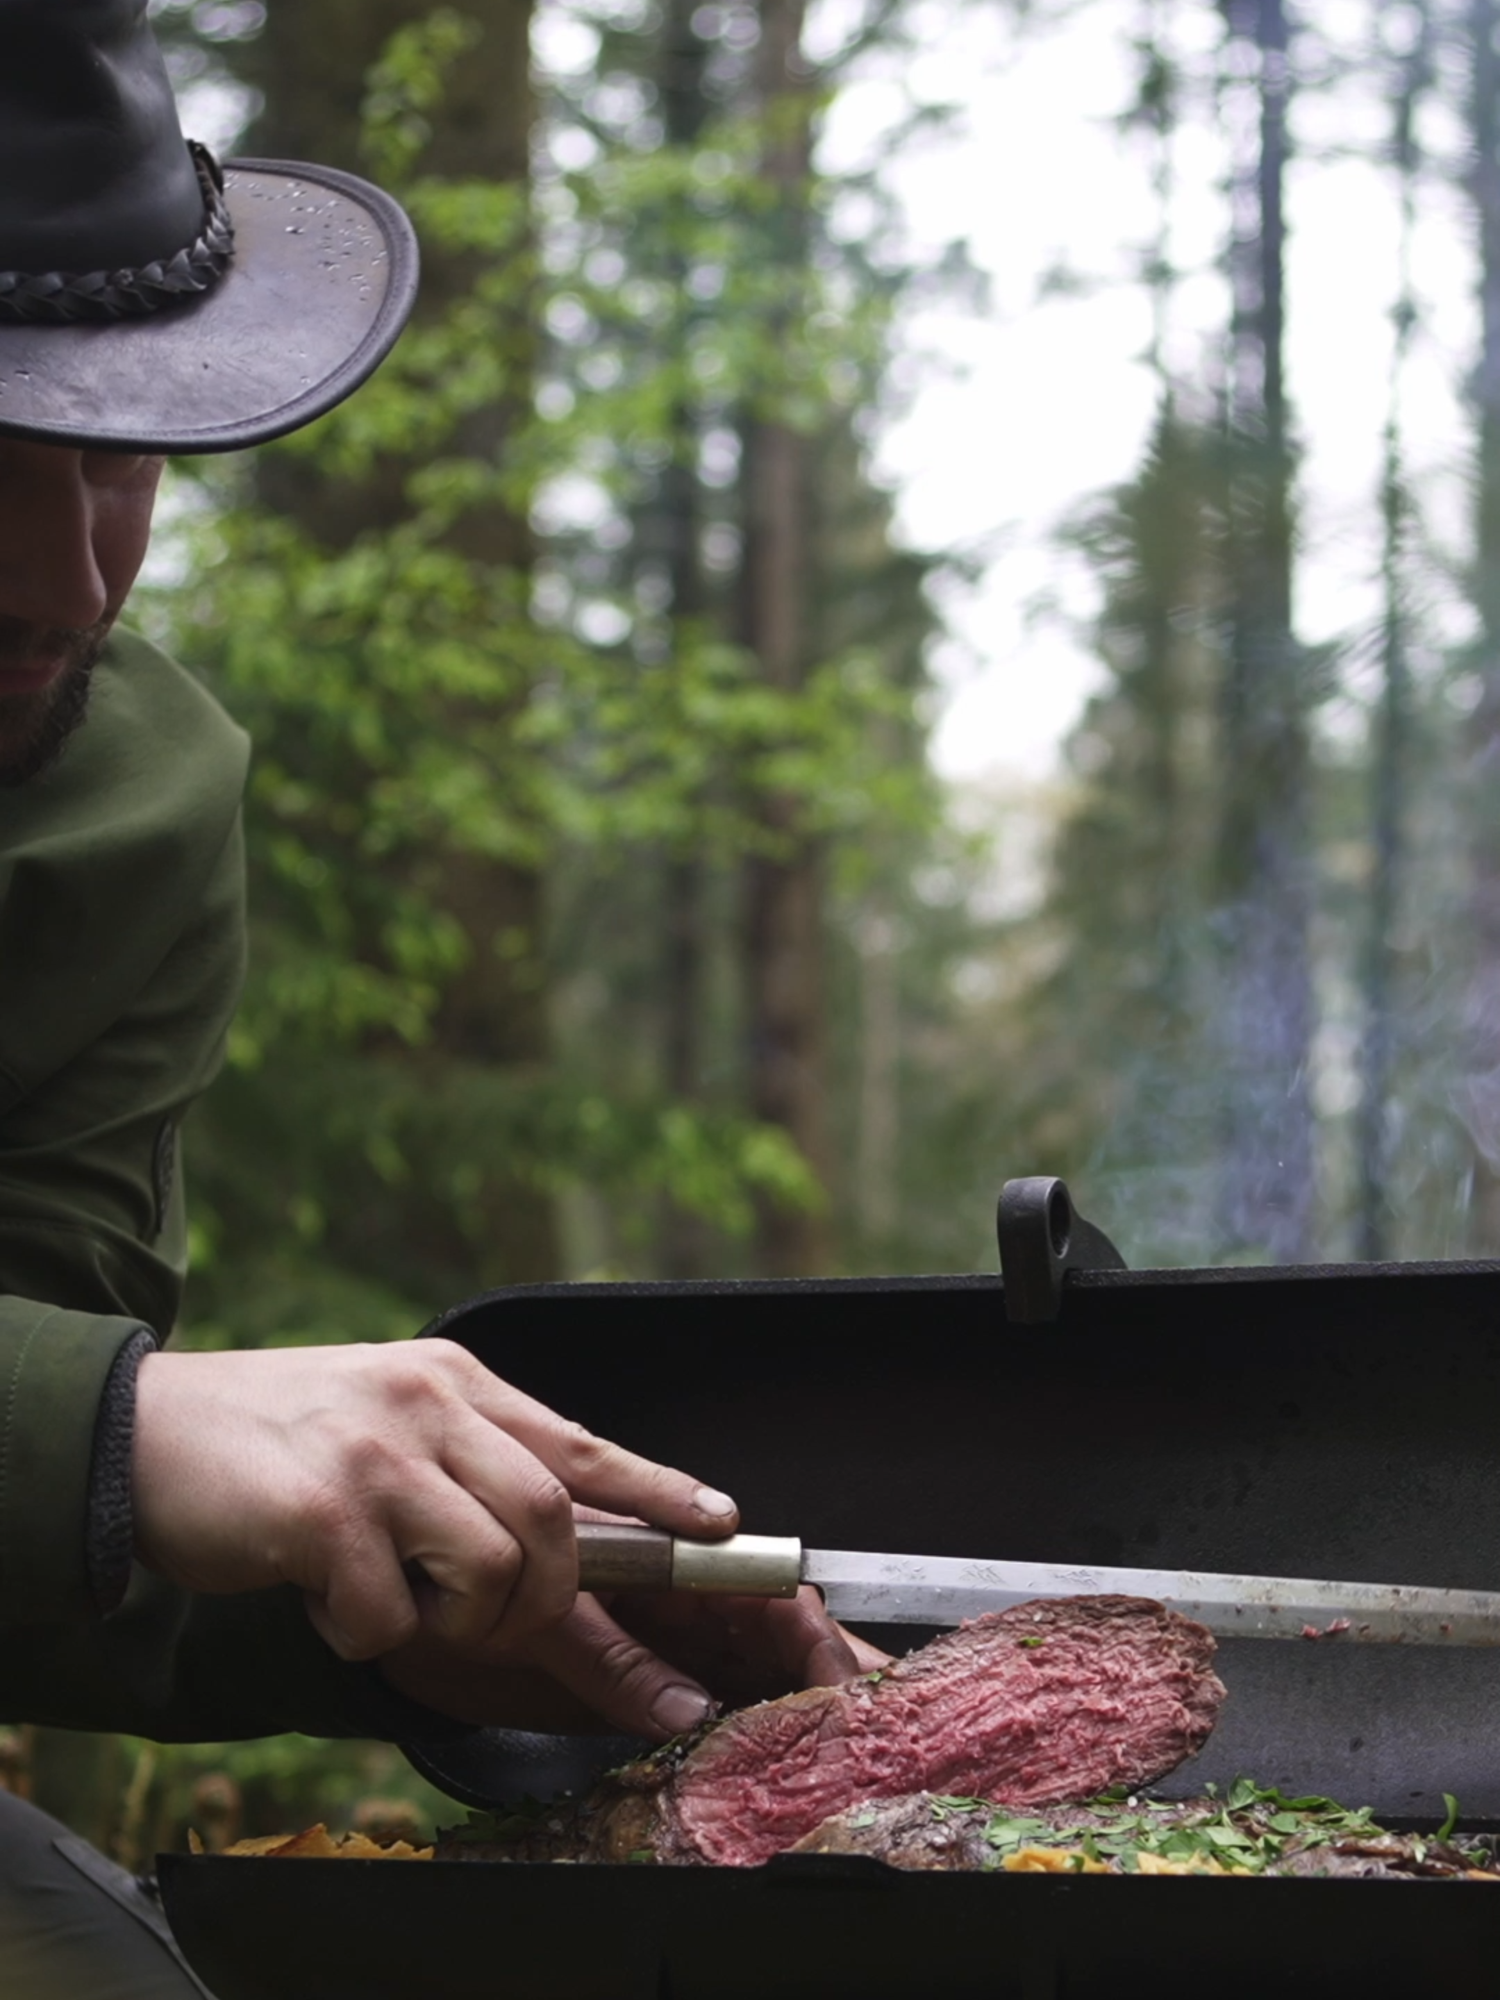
(1482, 1082)
(311, 62)
(1268, 1187)
(1392, 733)
(783, 907)
(876, 1185)
(1378, 1054)
(675, 527)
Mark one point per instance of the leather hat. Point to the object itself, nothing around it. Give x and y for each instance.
(151, 300)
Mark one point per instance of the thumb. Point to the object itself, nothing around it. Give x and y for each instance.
(619, 1678)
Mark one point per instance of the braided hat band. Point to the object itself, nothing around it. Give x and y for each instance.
(64, 298)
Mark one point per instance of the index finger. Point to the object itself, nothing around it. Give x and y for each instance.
(599, 1473)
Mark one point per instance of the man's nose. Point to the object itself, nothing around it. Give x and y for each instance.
(49, 574)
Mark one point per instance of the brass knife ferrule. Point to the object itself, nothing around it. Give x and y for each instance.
(747, 1565)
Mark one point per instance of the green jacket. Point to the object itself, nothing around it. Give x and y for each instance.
(122, 947)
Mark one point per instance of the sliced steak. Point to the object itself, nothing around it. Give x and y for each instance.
(1048, 1701)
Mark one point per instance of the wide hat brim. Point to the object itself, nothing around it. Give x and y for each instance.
(323, 277)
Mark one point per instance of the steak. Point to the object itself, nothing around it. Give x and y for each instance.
(1054, 1700)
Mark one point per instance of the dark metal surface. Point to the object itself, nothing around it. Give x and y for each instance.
(1310, 1423)
(495, 1765)
(811, 1927)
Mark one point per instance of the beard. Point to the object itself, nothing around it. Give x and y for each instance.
(34, 728)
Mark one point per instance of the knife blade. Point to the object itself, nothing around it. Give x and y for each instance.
(859, 1587)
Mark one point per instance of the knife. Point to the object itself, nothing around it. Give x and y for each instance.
(870, 1589)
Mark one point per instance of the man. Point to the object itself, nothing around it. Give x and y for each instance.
(344, 1541)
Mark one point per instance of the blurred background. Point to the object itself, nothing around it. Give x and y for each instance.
(920, 604)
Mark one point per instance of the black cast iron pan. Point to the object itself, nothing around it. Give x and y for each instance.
(812, 1928)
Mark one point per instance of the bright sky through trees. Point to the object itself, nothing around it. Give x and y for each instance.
(1016, 416)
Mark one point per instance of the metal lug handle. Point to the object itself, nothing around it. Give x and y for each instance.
(1042, 1239)
(628, 1558)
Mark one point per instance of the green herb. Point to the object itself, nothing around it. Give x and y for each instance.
(863, 1819)
(1007, 1833)
(874, 1679)
(1245, 1792)
(641, 1854)
(1446, 1829)
(1032, 1640)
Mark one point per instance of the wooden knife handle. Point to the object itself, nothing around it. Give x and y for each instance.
(617, 1558)
(627, 1558)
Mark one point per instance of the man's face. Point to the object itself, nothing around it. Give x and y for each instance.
(73, 532)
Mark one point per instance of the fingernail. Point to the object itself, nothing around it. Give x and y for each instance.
(678, 1709)
(709, 1502)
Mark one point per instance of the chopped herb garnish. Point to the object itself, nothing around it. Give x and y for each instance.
(1032, 1641)
(1004, 1831)
(1247, 1830)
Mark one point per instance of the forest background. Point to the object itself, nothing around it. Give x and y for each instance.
(609, 916)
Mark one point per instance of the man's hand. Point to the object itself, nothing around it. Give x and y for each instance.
(406, 1489)
(643, 1664)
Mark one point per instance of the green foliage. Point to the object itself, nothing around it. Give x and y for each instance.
(417, 709)
(405, 88)
(134, 1799)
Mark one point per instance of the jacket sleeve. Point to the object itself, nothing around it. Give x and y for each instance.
(186, 1669)
(53, 1369)
(93, 1238)
(122, 941)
